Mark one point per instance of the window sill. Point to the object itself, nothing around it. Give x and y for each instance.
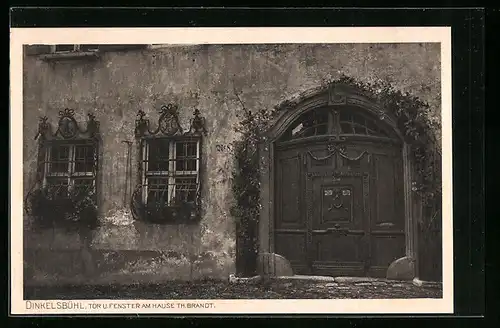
(70, 55)
(168, 214)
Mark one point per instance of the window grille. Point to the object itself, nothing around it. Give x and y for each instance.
(70, 166)
(169, 167)
(67, 158)
(171, 170)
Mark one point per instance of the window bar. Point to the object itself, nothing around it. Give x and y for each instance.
(91, 171)
(50, 164)
(172, 173)
(46, 165)
(164, 189)
(336, 123)
(94, 167)
(71, 165)
(314, 123)
(365, 126)
(330, 126)
(145, 151)
(197, 172)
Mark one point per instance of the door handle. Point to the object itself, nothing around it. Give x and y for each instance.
(335, 206)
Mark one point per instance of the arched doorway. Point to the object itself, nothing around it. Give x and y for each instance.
(336, 187)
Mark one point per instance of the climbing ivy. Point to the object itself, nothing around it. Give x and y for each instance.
(420, 127)
(415, 119)
(246, 183)
(246, 176)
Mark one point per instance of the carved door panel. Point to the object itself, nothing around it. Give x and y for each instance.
(387, 207)
(337, 209)
(290, 223)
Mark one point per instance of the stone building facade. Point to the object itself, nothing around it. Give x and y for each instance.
(189, 92)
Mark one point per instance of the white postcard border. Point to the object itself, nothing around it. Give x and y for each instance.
(177, 36)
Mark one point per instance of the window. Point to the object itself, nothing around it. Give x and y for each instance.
(171, 170)
(70, 166)
(309, 124)
(169, 190)
(354, 123)
(68, 51)
(327, 121)
(67, 165)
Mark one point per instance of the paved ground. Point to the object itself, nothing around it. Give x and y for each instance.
(279, 289)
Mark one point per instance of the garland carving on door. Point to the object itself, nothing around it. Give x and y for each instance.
(341, 150)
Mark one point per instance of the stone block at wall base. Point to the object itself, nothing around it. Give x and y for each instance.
(427, 284)
(402, 269)
(272, 264)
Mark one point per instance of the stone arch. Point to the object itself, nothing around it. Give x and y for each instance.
(336, 96)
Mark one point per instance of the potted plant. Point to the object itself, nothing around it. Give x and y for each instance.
(51, 208)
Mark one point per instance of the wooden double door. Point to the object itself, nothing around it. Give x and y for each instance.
(339, 207)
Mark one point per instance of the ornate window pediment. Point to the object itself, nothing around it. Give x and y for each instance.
(168, 124)
(67, 127)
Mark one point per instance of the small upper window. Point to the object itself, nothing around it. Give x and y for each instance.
(355, 123)
(65, 48)
(328, 121)
(311, 123)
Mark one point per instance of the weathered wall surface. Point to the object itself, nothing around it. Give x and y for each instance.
(118, 84)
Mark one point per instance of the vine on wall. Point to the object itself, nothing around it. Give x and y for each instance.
(246, 175)
(421, 128)
(415, 119)
(246, 186)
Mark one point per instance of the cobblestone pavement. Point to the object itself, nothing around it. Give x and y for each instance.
(280, 289)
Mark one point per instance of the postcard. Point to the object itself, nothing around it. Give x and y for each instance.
(231, 170)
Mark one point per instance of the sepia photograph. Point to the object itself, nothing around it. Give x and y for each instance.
(231, 171)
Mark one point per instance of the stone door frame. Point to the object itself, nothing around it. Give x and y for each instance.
(337, 94)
